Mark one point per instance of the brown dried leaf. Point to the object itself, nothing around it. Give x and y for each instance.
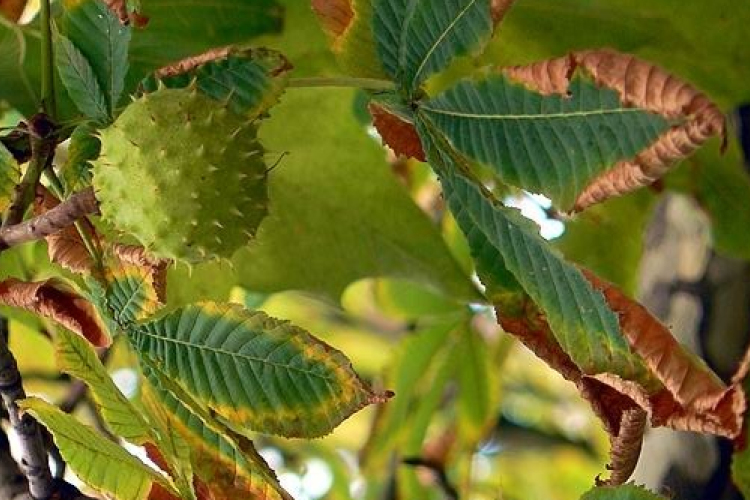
(397, 133)
(52, 300)
(694, 398)
(335, 15)
(608, 403)
(66, 246)
(12, 9)
(152, 267)
(532, 329)
(639, 84)
(626, 447)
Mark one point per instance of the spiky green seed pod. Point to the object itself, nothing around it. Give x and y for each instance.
(184, 175)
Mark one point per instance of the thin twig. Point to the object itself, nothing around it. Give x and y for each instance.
(63, 215)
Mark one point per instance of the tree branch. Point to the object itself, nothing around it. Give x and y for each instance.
(34, 463)
(63, 215)
(41, 130)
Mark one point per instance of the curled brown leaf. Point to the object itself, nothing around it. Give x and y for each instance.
(639, 84)
(693, 398)
(65, 247)
(626, 447)
(52, 300)
(397, 133)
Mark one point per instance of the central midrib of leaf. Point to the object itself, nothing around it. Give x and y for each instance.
(439, 41)
(541, 116)
(245, 357)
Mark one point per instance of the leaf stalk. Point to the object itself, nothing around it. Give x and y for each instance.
(342, 81)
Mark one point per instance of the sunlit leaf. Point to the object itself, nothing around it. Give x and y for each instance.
(10, 175)
(135, 284)
(77, 358)
(253, 370)
(225, 463)
(97, 461)
(171, 446)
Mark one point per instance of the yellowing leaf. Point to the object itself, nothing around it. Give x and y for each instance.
(10, 175)
(135, 284)
(254, 371)
(76, 358)
(97, 461)
(226, 465)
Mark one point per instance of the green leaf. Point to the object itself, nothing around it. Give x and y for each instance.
(97, 461)
(478, 386)
(78, 77)
(253, 370)
(356, 229)
(10, 175)
(76, 357)
(251, 80)
(182, 29)
(223, 460)
(552, 144)
(503, 241)
(411, 367)
(95, 30)
(624, 492)
(20, 66)
(83, 148)
(418, 38)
